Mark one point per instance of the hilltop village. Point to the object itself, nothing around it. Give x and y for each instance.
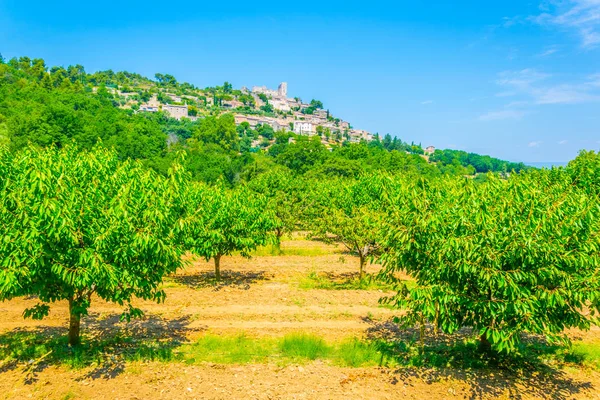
(256, 107)
(218, 127)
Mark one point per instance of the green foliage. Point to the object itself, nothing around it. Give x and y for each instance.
(316, 104)
(348, 213)
(58, 117)
(302, 155)
(220, 222)
(218, 130)
(264, 98)
(585, 172)
(481, 164)
(504, 257)
(286, 198)
(78, 224)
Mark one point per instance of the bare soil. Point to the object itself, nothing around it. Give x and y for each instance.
(261, 297)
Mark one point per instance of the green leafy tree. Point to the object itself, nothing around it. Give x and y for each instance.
(219, 130)
(223, 221)
(247, 99)
(78, 224)
(585, 171)
(349, 214)
(316, 104)
(504, 257)
(268, 108)
(286, 198)
(302, 155)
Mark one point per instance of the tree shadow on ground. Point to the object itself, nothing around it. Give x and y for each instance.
(107, 344)
(341, 276)
(343, 281)
(235, 279)
(488, 375)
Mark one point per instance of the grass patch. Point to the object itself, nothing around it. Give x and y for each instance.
(292, 348)
(229, 350)
(304, 251)
(585, 353)
(316, 280)
(356, 353)
(302, 346)
(30, 346)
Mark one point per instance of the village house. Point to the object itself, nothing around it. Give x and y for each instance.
(280, 105)
(148, 108)
(299, 123)
(175, 98)
(304, 128)
(429, 150)
(232, 104)
(174, 111)
(240, 118)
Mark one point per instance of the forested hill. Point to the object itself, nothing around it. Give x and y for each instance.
(57, 106)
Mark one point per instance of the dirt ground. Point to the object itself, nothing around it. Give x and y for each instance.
(259, 297)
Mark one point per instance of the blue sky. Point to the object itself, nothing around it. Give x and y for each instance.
(516, 80)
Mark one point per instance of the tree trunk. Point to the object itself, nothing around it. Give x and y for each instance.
(218, 267)
(437, 318)
(74, 325)
(422, 331)
(484, 344)
(279, 235)
(362, 266)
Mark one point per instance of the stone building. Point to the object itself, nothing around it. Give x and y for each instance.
(174, 111)
(281, 105)
(280, 93)
(304, 128)
(148, 108)
(282, 90)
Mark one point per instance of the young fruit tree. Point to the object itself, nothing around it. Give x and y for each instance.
(80, 224)
(222, 221)
(286, 198)
(504, 257)
(349, 213)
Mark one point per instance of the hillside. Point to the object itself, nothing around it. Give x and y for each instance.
(228, 134)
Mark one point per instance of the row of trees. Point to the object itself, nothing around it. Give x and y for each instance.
(505, 256)
(78, 224)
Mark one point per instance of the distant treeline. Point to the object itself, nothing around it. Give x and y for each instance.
(477, 162)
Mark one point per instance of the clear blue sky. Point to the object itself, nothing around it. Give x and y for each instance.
(516, 80)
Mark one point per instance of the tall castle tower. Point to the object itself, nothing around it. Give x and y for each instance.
(282, 89)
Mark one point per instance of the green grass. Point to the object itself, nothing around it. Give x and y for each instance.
(587, 354)
(228, 350)
(315, 280)
(301, 346)
(292, 348)
(53, 349)
(31, 348)
(306, 251)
